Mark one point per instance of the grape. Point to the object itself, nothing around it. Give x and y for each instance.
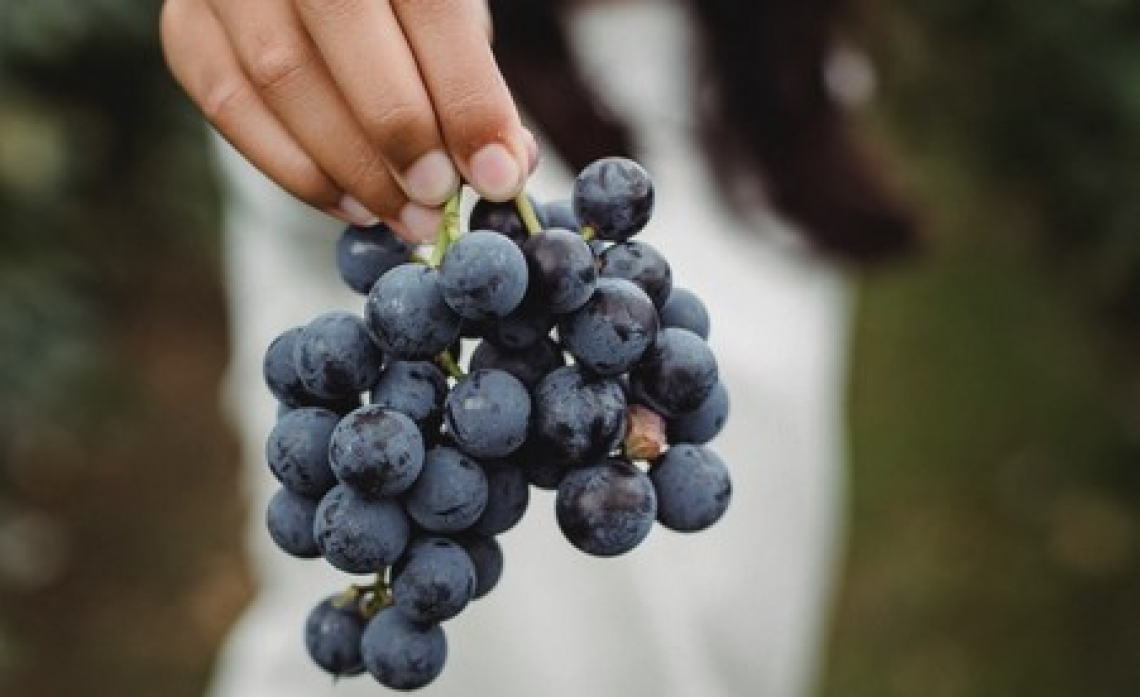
(541, 468)
(406, 313)
(435, 580)
(400, 653)
(487, 413)
(508, 494)
(332, 636)
(501, 216)
(693, 487)
(414, 388)
(577, 417)
(335, 356)
(281, 373)
(562, 271)
(415, 485)
(558, 214)
(450, 493)
(677, 374)
(528, 324)
(613, 197)
(487, 556)
(483, 275)
(640, 263)
(358, 535)
(606, 509)
(703, 424)
(363, 255)
(289, 518)
(528, 364)
(613, 329)
(298, 451)
(377, 451)
(685, 310)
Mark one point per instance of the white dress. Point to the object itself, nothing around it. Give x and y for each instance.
(737, 610)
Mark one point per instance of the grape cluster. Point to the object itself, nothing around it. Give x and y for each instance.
(587, 373)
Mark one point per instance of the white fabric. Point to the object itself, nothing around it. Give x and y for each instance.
(736, 610)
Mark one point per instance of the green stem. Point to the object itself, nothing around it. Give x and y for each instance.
(447, 362)
(448, 230)
(526, 212)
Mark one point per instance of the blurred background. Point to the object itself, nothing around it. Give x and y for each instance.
(995, 503)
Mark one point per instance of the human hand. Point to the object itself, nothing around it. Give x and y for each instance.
(364, 109)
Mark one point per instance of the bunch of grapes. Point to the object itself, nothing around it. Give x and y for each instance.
(588, 373)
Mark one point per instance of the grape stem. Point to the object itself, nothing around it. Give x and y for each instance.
(448, 231)
(447, 362)
(526, 212)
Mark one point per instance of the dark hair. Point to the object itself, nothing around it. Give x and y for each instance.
(770, 114)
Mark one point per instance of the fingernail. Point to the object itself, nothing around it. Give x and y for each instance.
(422, 223)
(495, 173)
(354, 212)
(431, 179)
(531, 150)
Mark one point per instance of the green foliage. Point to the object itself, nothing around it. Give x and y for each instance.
(1039, 105)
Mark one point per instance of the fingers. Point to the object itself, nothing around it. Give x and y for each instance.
(476, 115)
(288, 72)
(200, 57)
(366, 53)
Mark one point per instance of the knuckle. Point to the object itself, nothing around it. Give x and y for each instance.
(397, 124)
(330, 8)
(475, 117)
(310, 184)
(368, 177)
(222, 99)
(276, 59)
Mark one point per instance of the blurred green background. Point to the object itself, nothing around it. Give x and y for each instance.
(995, 504)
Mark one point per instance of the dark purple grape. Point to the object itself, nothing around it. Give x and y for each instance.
(487, 556)
(562, 270)
(508, 494)
(703, 424)
(529, 365)
(281, 373)
(606, 509)
(483, 275)
(557, 214)
(406, 313)
(677, 374)
(297, 451)
(613, 197)
(435, 580)
(363, 255)
(640, 263)
(289, 518)
(332, 636)
(693, 487)
(487, 413)
(400, 653)
(577, 417)
(501, 217)
(414, 388)
(613, 329)
(336, 357)
(685, 310)
(359, 535)
(377, 451)
(450, 493)
(528, 324)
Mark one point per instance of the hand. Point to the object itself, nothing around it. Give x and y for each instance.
(365, 109)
